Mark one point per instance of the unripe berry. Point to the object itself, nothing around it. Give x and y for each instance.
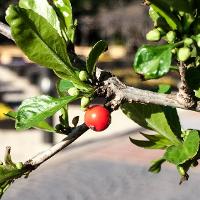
(153, 35)
(171, 36)
(183, 54)
(73, 91)
(83, 75)
(97, 118)
(85, 102)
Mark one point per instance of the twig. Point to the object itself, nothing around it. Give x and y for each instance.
(44, 156)
(5, 30)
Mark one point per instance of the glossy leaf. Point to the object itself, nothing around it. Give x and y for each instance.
(96, 51)
(64, 9)
(153, 61)
(42, 125)
(156, 165)
(185, 151)
(37, 109)
(39, 40)
(151, 117)
(43, 9)
(177, 5)
(164, 10)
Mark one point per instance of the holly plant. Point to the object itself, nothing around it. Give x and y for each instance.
(46, 33)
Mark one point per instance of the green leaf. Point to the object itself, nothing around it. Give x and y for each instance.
(37, 109)
(163, 10)
(43, 9)
(153, 142)
(63, 86)
(96, 51)
(177, 5)
(185, 151)
(156, 165)
(76, 82)
(39, 40)
(153, 61)
(164, 89)
(64, 10)
(42, 125)
(151, 117)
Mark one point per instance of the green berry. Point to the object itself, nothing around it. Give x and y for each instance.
(183, 54)
(83, 75)
(153, 35)
(85, 101)
(188, 41)
(19, 165)
(73, 91)
(171, 36)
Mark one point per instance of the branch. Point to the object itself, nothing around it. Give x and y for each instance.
(185, 95)
(44, 156)
(116, 92)
(5, 30)
(112, 87)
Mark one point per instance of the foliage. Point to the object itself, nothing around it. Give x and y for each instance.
(45, 32)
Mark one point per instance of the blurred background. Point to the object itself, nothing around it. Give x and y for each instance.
(98, 166)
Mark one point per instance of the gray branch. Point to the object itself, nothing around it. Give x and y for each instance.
(117, 92)
(44, 156)
(5, 30)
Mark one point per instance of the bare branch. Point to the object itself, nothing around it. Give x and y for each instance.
(5, 30)
(44, 156)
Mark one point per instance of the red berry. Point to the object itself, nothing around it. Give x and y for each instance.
(97, 118)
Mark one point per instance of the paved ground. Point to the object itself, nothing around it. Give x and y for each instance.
(112, 169)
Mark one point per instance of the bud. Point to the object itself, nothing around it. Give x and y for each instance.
(73, 91)
(153, 35)
(19, 165)
(83, 75)
(188, 41)
(183, 54)
(171, 36)
(85, 102)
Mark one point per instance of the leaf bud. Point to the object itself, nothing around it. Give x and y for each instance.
(73, 91)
